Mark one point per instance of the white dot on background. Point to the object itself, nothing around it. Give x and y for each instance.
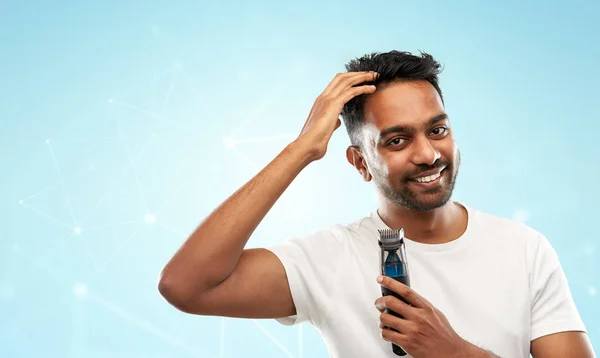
(110, 100)
(592, 291)
(150, 219)
(47, 141)
(77, 230)
(521, 215)
(80, 290)
(20, 201)
(228, 143)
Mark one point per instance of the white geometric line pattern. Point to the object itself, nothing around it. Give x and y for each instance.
(79, 229)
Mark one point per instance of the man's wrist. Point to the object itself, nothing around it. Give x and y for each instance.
(300, 151)
(472, 351)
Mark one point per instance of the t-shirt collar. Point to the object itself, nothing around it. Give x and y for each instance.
(459, 242)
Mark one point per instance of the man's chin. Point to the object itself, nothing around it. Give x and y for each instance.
(419, 199)
(427, 198)
(426, 201)
(428, 206)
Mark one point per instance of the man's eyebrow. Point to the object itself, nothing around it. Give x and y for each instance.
(405, 129)
(438, 118)
(395, 129)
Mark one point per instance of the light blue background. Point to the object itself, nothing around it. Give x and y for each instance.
(115, 117)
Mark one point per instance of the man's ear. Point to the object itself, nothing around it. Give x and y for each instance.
(357, 160)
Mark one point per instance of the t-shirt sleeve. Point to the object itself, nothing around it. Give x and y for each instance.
(553, 309)
(310, 264)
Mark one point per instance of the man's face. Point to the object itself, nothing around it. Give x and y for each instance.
(408, 146)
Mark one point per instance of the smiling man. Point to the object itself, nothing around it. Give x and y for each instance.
(481, 286)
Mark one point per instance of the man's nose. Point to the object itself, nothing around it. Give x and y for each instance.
(424, 152)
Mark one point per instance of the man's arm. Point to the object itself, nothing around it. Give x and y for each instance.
(211, 273)
(556, 326)
(563, 344)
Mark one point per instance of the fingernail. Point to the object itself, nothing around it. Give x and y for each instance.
(380, 279)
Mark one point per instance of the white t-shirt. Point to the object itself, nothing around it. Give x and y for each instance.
(500, 285)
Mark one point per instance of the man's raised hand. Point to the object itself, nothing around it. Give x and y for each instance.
(323, 119)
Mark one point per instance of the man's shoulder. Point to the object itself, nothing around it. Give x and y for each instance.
(342, 231)
(329, 238)
(366, 222)
(496, 224)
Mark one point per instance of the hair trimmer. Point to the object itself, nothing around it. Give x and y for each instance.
(393, 264)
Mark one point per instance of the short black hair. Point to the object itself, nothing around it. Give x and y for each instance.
(393, 66)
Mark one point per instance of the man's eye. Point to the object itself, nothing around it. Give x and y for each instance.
(396, 141)
(439, 131)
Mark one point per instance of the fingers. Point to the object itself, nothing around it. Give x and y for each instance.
(356, 91)
(395, 305)
(343, 81)
(394, 337)
(405, 292)
(394, 329)
(401, 325)
(354, 80)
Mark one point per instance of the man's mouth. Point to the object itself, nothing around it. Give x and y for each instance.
(429, 177)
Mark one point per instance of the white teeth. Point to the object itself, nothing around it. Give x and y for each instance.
(427, 179)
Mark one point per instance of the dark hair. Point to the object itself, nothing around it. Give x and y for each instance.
(393, 66)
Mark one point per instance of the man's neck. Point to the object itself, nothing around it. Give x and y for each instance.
(437, 226)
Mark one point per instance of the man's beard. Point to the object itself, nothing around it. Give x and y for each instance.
(400, 193)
